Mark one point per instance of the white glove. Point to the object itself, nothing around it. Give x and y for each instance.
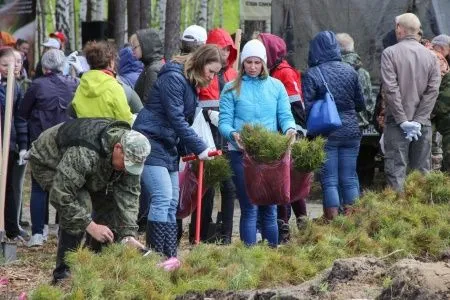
(204, 154)
(73, 60)
(412, 130)
(214, 117)
(23, 157)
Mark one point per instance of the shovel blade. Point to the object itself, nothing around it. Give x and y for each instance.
(9, 251)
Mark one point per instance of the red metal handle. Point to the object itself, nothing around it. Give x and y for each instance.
(194, 157)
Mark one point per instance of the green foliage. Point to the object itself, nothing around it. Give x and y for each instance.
(215, 171)
(308, 155)
(263, 145)
(384, 224)
(46, 292)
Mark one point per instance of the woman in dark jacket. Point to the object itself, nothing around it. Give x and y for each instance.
(18, 138)
(44, 106)
(338, 175)
(148, 48)
(165, 120)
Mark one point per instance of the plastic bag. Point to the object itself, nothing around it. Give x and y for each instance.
(300, 184)
(268, 184)
(188, 192)
(202, 129)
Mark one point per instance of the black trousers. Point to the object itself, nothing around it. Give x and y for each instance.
(11, 205)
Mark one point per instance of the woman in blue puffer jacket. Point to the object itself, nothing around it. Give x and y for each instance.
(165, 120)
(338, 175)
(254, 98)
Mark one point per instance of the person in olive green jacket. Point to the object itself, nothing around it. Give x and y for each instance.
(441, 119)
(99, 94)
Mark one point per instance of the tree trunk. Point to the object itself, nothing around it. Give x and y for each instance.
(211, 13)
(145, 14)
(155, 12)
(187, 4)
(162, 4)
(97, 10)
(62, 16)
(120, 7)
(133, 11)
(172, 30)
(221, 13)
(41, 29)
(203, 13)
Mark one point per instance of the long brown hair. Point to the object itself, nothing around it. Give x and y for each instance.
(236, 85)
(195, 62)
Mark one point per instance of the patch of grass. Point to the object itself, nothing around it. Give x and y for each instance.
(384, 224)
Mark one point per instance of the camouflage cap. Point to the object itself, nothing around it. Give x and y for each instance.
(136, 148)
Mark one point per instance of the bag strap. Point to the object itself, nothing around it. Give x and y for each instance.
(325, 83)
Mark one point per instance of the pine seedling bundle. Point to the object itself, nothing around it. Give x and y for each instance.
(262, 145)
(215, 171)
(308, 155)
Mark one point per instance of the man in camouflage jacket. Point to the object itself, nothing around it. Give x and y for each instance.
(91, 169)
(441, 119)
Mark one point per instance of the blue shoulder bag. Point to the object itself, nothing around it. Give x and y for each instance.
(323, 117)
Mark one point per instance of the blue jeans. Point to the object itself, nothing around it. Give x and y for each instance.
(338, 175)
(38, 207)
(163, 188)
(250, 213)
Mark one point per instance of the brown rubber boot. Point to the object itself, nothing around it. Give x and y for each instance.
(330, 213)
(348, 210)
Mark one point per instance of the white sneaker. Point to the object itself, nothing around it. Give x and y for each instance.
(258, 237)
(45, 233)
(36, 240)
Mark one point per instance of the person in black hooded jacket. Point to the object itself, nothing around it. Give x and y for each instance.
(148, 48)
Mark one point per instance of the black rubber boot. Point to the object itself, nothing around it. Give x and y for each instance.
(66, 242)
(155, 236)
(284, 234)
(170, 242)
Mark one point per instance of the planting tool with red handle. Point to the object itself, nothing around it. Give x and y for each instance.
(199, 189)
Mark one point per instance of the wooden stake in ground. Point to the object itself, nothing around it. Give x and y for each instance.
(237, 43)
(5, 150)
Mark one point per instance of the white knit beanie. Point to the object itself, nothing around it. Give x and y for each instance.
(254, 48)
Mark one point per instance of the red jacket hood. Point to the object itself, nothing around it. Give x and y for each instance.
(222, 38)
(275, 48)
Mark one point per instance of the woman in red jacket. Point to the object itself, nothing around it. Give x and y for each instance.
(209, 101)
(280, 69)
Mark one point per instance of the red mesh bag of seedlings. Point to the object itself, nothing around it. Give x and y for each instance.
(266, 165)
(300, 184)
(268, 183)
(188, 192)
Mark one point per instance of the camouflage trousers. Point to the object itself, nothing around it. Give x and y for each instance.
(436, 150)
(100, 205)
(446, 152)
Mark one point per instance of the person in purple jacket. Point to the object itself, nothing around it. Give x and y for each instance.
(130, 68)
(44, 106)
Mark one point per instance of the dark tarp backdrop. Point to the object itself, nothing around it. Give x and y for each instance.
(367, 21)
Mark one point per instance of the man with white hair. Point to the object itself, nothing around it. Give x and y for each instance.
(411, 79)
(369, 144)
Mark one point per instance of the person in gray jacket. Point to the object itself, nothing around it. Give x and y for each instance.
(148, 48)
(411, 79)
